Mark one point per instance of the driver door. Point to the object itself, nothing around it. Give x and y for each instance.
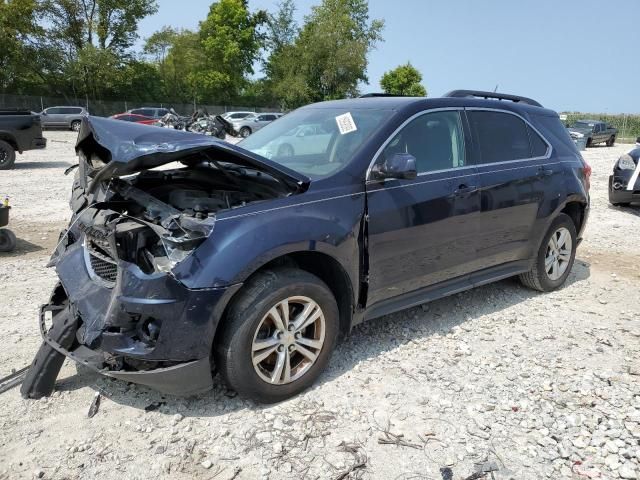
(422, 231)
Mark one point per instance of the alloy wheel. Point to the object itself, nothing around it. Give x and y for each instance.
(558, 256)
(4, 156)
(288, 340)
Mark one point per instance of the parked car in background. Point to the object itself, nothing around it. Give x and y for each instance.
(255, 266)
(595, 131)
(63, 117)
(301, 140)
(624, 183)
(151, 112)
(132, 117)
(231, 116)
(19, 131)
(254, 122)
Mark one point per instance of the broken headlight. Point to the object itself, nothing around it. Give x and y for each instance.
(626, 163)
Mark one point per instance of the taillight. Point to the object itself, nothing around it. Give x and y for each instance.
(586, 169)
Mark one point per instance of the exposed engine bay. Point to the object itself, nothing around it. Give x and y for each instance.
(155, 218)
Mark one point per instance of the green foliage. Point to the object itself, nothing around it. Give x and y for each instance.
(628, 125)
(230, 44)
(18, 31)
(403, 80)
(329, 57)
(78, 48)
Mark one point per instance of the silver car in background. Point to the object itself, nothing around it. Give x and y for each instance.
(63, 117)
(233, 116)
(254, 122)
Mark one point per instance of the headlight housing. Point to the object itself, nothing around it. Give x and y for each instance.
(625, 162)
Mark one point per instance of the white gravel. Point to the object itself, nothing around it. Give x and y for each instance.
(499, 378)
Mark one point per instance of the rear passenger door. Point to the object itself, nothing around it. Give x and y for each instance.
(515, 177)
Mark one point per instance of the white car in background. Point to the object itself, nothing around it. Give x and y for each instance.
(302, 140)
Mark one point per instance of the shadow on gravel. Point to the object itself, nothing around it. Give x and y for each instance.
(633, 209)
(33, 165)
(22, 247)
(367, 341)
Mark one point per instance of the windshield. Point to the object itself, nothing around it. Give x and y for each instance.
(310, 141)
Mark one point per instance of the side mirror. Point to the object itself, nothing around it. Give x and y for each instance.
(400, 166)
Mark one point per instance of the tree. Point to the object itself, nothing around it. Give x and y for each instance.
(282, 28)
(403, 80)
(329, 58)
(92, 39)
(18, 33)
(230, 43)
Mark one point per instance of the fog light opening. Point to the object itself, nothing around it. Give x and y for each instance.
(149, 330)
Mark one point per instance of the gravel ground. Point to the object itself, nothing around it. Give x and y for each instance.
(499, 379)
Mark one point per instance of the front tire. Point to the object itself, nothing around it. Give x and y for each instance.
(278, 335)
(7, 156)
(75, 125)
(555, 257)
(245, 132)
(611, 142)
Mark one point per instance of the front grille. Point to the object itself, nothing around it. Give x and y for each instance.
(101, 263)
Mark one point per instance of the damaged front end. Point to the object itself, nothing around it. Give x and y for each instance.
(120, 307)
(624, 183)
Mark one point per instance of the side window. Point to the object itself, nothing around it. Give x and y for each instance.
(53, 111)
(538, 145)
(500, 137)
(136, 112)
(435, 139)
(262, 118)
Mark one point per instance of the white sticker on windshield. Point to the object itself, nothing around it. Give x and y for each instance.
(346, 124)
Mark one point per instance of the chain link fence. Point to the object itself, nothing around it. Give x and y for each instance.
(104, 108)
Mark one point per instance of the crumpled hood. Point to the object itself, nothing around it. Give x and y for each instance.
(128, 148)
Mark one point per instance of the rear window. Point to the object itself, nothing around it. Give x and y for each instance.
(501, 137)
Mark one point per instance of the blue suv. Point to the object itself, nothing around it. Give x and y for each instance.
(187, 255)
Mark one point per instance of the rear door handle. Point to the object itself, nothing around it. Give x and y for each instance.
(465, 190)
(544, 172)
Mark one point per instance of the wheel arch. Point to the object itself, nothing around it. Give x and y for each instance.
(10, 139)
(320, 264)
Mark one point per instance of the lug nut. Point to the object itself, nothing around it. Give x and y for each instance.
(281, 348)
(291, 348)
(291, 327)
(297, 335)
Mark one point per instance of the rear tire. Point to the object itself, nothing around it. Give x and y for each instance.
(611, 142)
(269, 363)
(8, 240)
(75, 125)
(544, 275)
(245, 132)
(589, 142)
(7, 156)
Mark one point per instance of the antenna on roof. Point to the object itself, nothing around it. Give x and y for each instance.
(496, 89)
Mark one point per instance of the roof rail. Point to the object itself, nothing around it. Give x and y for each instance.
(492, 95)
(370, 95)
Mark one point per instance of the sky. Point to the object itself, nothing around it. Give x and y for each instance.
(570, 55)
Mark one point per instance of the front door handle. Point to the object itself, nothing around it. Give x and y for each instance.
(465, 189)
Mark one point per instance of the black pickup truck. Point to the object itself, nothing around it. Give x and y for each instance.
(595, 131)
(19, 131)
